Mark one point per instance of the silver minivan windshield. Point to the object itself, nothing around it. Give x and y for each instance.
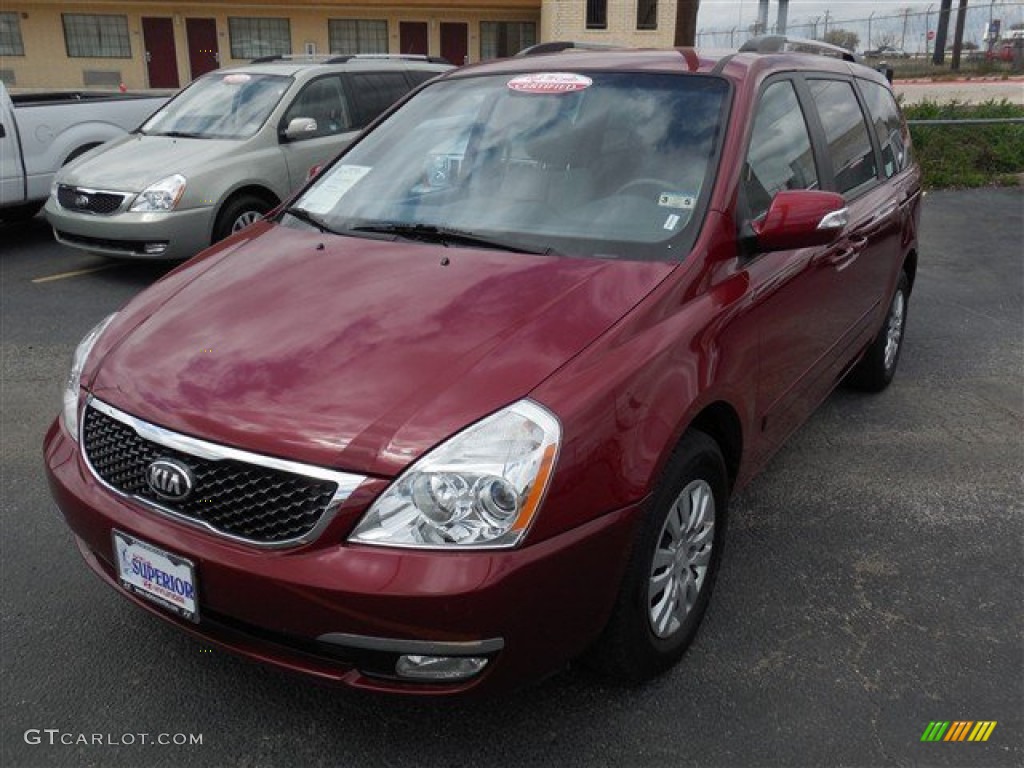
(224, 105)
(606, 164)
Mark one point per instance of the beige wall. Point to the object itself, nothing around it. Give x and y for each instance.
(47, 65)
(567, 20)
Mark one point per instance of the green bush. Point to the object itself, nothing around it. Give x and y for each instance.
(967, 155)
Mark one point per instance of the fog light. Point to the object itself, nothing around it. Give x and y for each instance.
(154, 249)
(439, 667)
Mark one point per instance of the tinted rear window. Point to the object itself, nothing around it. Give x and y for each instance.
(853, 159)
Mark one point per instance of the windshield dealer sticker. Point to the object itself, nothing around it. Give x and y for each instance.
(672, 221)
(325, 193)
(237, 78)
(549, 82)
(670, 200)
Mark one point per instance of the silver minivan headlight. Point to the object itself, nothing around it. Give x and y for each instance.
(161, 196)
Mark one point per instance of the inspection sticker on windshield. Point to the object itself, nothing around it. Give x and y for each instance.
(670, 200)
(549, 82)
(329, 189)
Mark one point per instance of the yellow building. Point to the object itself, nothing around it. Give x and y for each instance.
(158, 44)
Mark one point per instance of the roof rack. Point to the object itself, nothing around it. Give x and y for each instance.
(341, 59)
(782, 43)
(557, 46)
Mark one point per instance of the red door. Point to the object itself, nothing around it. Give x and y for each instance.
(412, 36)
(161, 60)
(455, 42)
(203, 56)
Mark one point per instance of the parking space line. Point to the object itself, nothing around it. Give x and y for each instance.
(75, 273)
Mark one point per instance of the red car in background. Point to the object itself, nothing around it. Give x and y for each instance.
(474, 401)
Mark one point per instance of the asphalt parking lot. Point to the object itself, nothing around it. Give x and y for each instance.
(873, 580)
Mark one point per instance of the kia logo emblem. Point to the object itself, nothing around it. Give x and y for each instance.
(82, 200)
(170, 479)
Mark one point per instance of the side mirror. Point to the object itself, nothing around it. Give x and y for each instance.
(300, 128)
(801, 218)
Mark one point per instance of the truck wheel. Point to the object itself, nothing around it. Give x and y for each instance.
(875, 370)
(237, 214)
(671, 572)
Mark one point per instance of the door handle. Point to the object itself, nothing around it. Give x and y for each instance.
(841, 258)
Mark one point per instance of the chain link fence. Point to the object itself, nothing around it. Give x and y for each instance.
(993, 36)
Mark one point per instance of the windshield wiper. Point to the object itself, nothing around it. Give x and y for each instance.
(178, 135)
(309, 218)
(429, 233)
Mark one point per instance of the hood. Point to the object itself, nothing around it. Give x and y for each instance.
(358, 354)
(133, 162)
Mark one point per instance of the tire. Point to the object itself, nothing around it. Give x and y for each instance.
(238, 213)
(649, 629)
(876, 369)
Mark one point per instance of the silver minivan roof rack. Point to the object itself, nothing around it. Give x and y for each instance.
(782, 43)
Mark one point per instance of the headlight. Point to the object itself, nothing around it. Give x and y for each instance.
(70, 413)
(481, 488)
(162, 196)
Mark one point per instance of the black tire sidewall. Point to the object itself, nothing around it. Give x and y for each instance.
(232, 210)
(706, 465)
(631, 650)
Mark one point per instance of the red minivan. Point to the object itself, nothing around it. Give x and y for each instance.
(473, 402)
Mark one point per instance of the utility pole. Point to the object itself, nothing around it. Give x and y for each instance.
(825, 33)
(940, 34)
(783, 18)
(958, 37)
(903, 37)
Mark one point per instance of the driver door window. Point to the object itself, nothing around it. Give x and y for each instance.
(323, 100)
(780, 155)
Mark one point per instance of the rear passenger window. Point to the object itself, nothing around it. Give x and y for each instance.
(853, 159)
(375, 92)
(780, 154)
(885, 118)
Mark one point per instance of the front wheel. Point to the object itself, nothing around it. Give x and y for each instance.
(670, 575)
(876, 369)
(238, 214)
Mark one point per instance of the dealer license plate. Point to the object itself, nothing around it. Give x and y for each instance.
(156, 575)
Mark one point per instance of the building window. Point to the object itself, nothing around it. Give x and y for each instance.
(597, 14)
(10, 35)
(646, 14)
(350, 36)
(254, 38)
(101, 37)
(499, 39)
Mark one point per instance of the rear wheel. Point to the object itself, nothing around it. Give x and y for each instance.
(672, 569)
(876, 369)
(238, 214)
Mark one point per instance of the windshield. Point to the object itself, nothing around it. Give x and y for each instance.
(603, 164)
(229, 105)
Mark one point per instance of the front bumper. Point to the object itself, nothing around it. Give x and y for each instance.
(126, 235)
(345, 614)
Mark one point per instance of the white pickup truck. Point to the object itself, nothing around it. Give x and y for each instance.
(41, 132)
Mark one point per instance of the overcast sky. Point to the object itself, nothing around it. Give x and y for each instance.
(724, 14)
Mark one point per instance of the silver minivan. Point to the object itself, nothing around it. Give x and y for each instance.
(226, 150)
